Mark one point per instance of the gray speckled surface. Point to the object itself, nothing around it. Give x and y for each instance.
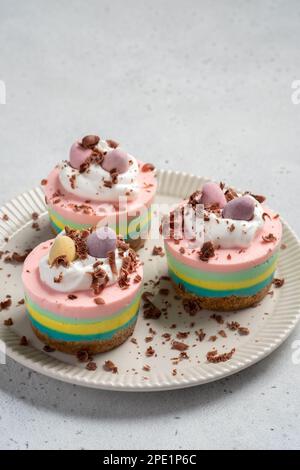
(189, 85)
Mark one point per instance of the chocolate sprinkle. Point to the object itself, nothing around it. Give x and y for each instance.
(207, 251)
(109, 366)
(214, 357)
(278, 282)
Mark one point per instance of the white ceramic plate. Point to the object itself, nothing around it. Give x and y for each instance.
(269, 323)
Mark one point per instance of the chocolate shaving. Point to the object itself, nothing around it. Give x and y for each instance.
(265, 214)
(278, 282)
(96, 158)
(150, 351)
(191, 306)
(48, 349)
(99, 280)
(195, 198)
(72, 297)
(137, 278)
(8, 322)
(150, 311)
(99, 301)
(72, 181)
(207, 251)
(112, 143)
(58, 278)
(222, 333)
(122, 246)
(80, 239)
(243, 330)
(5, 304)
(179, 346)
(90, 141)
(44, 182)
(270, 238)
(5, 217)
(182, 334)
(148, 167)
(214, 357)
(109, 366)
(114, 175)
(23, 341)
(200, 334)
(233, 326)
(258, 197)
(158, 251)
(61, 260)
(230, 194)
(17, 257)
(83, 356)
(219, 319)
(107, 184)
(91, 366)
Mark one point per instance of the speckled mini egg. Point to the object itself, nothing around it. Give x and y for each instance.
(116, 159)
(100, 242)
(240, 208)
(78, 155)
(212, 194)
(62, 246)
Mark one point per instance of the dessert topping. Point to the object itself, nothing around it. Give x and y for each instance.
(90, 141)
(101, 241)
(62, 251)
(116, 160)
(240, 208)
(207, 251)
(212, 194)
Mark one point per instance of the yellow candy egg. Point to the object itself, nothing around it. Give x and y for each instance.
(62, 246)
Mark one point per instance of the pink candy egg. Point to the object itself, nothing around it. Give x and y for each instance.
(116, 159)
(240, 208)
(212, 194)
(78, 155)
(101, 241)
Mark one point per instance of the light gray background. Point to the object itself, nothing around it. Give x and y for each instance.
(200, 86)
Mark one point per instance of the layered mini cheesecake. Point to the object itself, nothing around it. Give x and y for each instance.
(83, 290)
(101, 184)
(222, 252)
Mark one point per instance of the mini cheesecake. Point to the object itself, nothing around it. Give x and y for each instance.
(101, 184)
(229, 263)
(83, 291)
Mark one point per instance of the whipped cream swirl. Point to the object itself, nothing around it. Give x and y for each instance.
(78, 275)
(92, 184)
(222, 232)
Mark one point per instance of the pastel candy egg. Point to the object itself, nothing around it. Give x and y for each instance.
(116, 159)
(101, 241)
(212, 194)
(78, 155)
(240, 208)
(62, 246)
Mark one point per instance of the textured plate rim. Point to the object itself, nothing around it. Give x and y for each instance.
(271, 336)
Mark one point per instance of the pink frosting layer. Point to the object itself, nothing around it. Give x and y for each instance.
(64, 205)
(84, 306)
(258, 252)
